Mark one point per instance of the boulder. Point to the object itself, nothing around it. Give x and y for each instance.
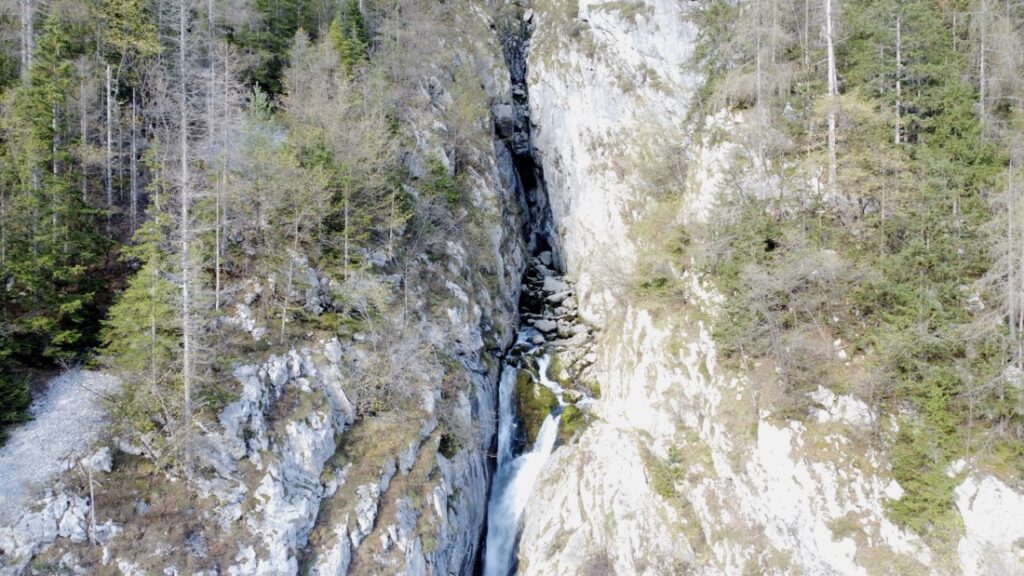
(558, 297)
(545, 325)
(99, 461)
(504, 119)
(554, 285)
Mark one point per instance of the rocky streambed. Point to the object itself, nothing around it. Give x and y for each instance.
(544, 399)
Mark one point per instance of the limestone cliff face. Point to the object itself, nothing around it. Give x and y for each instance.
(408, 504)
(601, 75)
(681, 475)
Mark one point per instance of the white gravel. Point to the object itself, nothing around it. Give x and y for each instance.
(67, 417)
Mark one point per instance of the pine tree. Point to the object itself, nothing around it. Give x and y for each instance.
(348, 35)
(55, 254)
(142, 334)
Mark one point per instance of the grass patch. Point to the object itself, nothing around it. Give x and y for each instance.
(663, 474)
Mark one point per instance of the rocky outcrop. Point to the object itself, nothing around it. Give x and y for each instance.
(56, 515)
(993, 540)
(287, 498)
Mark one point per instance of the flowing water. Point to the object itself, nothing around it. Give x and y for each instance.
(514, 478)
(516, 474)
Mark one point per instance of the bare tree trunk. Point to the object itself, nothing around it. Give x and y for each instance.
(391, 228)
(291, 276)
(833, 91)
(27, 13)
(185, 239)
(1015, 283)
(54, 144)
(134, 166)
(83, 112)
(983, 17)
(807, 75)
(109, 176)
(118, 154)
(211, 91)
(899, 78)
(346, 234)
(761, 104)
(223, 177)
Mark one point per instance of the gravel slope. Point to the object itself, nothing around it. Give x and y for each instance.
(67, 418)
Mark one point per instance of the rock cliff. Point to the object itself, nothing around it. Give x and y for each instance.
(682, 474)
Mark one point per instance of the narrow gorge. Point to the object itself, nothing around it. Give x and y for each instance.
(552, 347)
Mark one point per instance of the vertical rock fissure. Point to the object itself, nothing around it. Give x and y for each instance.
(539, 231)
(530, 399)
(513, 128)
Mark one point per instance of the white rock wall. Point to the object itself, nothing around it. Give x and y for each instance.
(748, 492)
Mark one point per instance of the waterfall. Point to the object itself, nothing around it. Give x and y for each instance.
(513, 481)
(515, 476)
(542, 369)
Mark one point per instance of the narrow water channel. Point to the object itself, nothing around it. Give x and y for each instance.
(532, 402)
(515, 476)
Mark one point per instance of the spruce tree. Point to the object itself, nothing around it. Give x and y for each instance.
(348, 35)
(142, 334)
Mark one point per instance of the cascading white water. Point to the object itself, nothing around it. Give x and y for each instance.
(506, 420)
(542, 369)
(514, 479)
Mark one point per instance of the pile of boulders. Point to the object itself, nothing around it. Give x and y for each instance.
(549, 305)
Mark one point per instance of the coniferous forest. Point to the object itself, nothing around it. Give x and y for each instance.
(157, 156)
(888, 214)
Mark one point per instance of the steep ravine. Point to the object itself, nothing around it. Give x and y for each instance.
(542, 397)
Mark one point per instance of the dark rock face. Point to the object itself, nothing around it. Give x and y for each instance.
(539, 232)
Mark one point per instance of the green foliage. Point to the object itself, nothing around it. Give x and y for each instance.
(664, 474)
(127, 30)
(141, 335)
(890, 268)
(439, 183)
(269, 41)
(347, 33)
(53, 254)
(918, 466)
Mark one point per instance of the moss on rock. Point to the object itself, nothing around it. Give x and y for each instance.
(533, 404)
(572, 422)
(555, 373)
